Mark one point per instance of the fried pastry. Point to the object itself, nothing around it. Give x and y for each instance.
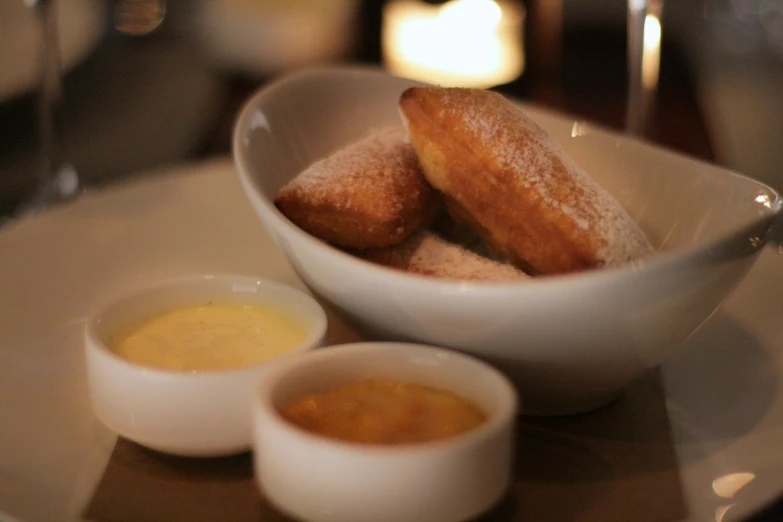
(506, 177)
(369, 194)
(427, 253)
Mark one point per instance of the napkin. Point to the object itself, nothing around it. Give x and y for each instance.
(611, 465)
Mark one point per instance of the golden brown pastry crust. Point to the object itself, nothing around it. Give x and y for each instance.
(426, 253)
(369, 194)
(511, 182)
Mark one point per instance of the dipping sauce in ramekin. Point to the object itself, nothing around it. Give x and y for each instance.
(209, 336)
(375, 398)
(384, 411)
(174, 373)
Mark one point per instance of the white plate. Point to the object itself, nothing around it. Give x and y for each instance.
(724, 391)
(80, 27)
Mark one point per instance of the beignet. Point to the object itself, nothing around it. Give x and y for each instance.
(510, 181)
(369, 194)
(426, 253)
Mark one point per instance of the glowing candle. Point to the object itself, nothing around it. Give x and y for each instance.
(651, 52)
(469, 43)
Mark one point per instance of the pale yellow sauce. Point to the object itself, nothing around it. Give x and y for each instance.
(213, 336)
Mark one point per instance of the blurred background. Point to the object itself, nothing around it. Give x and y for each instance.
(151, 83)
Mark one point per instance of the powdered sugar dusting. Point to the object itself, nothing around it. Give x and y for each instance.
(426, 253)
(521, 147)
(384, 158)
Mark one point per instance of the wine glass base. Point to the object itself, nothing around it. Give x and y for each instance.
(63, 187)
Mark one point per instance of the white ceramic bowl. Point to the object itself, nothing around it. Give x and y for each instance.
(326, 480)
(187, 413)
(571, 342)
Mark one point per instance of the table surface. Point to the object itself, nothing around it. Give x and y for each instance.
(723, 391)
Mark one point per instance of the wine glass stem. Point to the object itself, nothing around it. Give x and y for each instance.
(50, 92)
(644, 48)
(56, 180)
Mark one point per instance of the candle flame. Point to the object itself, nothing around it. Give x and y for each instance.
(461, 42)
(482, 15)
(651, 55)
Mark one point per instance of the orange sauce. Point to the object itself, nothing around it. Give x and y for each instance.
(382, 411)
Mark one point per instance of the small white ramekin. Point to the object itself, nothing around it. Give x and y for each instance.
(323, 480)
(205, 413)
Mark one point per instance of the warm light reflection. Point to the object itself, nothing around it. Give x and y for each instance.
(764, 200)
(651, 54)
(728, 485)
(139, 17)
(471, 43)
(652, 32)
(720, 512)
(578, 128)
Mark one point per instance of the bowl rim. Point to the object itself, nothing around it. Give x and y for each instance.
(505, 414)
(93, 343)
(660, 261)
